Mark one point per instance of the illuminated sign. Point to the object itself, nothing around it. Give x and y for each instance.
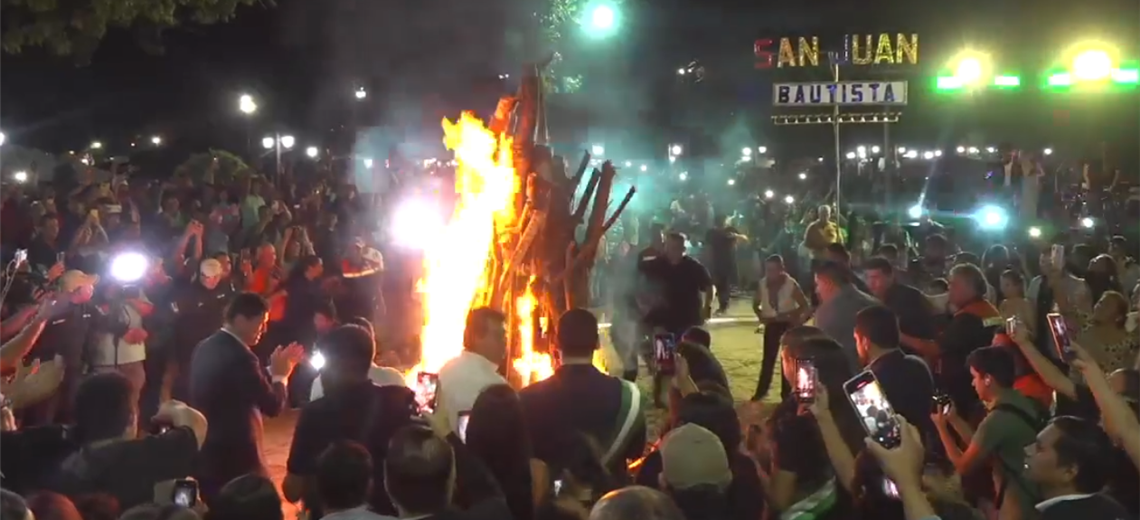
(857, 49)
(845, 93)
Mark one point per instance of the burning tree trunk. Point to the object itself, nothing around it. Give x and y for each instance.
(539, 269)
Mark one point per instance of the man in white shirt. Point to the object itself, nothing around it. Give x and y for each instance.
(120, 343)
(484, 348)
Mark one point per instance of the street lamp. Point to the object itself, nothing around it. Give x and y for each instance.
(287, 141)
(675, 150)
(1048, 151)
(769, 194)
(602, 20)
(763, 150)
(874, 149)
(312, 152)
(361, 93)
(850, 155)
(789, 199)
(246, 104)
(367, 162)
(156, 140)
(96, 145)
(597, 150)
(20, 177)
(268, 143)
(684, 176)
(644, 168)
(747, 152)
(803, 176)
(969, 69)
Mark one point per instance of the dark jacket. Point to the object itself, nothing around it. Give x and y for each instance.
(229, 387)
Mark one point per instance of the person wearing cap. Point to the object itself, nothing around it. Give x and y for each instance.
(198, 308)
(695, 472)
(67, 335)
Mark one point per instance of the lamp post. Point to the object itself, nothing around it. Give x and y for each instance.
(276, 143)
(247, 106)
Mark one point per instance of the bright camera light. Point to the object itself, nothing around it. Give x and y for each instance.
(20, 176)
(1087, 223)
(676, 149)
(156, 140)
(1048, 151)
(312, 152)
(789, 199)
(416, 223)
(747, 152)
(1092, 65)
(803, 176)
(317, 361)
(769, 194)
(268, 142)
(361, 93)
(991, 218)
(129, 267)
(1034, 232)
(598, 149)
(684, 176)
(287, 141)
(915, 211)
(246, 104)
(644, 168)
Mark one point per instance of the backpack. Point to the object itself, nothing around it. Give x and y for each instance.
(1033, 421)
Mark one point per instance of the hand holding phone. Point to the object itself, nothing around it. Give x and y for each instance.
(1061, 337)
(875, 412)
(427, 385)
(664, 351)
(805, 378)
(185, 493)
(1057, 256)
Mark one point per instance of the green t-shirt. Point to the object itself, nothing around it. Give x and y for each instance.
(1004, 434)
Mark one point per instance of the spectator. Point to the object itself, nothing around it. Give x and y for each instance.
(1071, 462)
(698, 335)
(1014, 304)
(906, 380)
(497, 435)
(695, 473)
(344, 482)
(423, 468)
(839, 302)
(68, 336)
(579, 398)
(12, 506)
(113, 458)
(248, 497)
(1012, 423)
(354, 409)
(45, 505)
(637, 502)
(582, 476)
(839, 254)
(914, 311)
(97, 506)
(463, 377)
(379, 375)
(157, 512)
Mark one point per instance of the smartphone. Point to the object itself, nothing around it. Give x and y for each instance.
(806, 376)
(1061, 337)
(941, 402)
(664, 348)
(426, 385)
(185, 493)
(557, 486)
(1057, 256)
(890, 489)
(461, 425)
(60, 257)
(1011, 326)
(874, 411)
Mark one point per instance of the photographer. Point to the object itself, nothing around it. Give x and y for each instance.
(119, 336)
(112, 458)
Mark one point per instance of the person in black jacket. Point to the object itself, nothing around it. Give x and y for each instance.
(228, 386)
(1070, 463)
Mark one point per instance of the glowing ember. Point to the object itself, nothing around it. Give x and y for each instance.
(456, 261)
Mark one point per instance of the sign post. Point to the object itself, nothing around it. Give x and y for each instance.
(838, 94)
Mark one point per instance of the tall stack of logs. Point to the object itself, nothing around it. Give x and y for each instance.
(539, 251)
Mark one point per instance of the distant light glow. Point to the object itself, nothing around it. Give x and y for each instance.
(763, 149)
(915, 211)
(317, 361)
(287, 141)
(129, 267)
(991, 217)
(644, 167)
(769, 194)
(156, 140)
(598, 150)
(803, 176)
(850, 155)
(928, 155)
(789, 199)
(1087, 222)
(732, 182)
(1092, 65)
(20, 177)
(268, 143)
(1034, 232)
(367, 163)
(747, 152)
(312, 152)
(676, 150)
(684, 176)
(1048, 151)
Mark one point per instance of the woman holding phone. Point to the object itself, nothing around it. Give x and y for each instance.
(1102, 332)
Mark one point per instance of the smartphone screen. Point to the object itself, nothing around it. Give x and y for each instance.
(1011, 326)
(941, 403)
(806, 376)
(890, 489)
(1057, 256)
(873, 409)
(1061, 336)
(426, 386)
(557, 486)
(461, 425)
(664, 348)
(185, 493)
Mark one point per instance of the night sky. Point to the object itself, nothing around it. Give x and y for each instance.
(424, 59)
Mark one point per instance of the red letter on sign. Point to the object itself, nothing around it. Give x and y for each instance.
(764, 57)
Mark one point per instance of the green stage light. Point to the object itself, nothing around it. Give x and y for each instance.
(1061, 79)
(1126, 76)
(946, 83)
(1007, 81)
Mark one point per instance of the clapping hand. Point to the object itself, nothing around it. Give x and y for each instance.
(285, 358)
(903, 463)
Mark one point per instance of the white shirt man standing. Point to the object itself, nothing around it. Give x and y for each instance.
(463, 377)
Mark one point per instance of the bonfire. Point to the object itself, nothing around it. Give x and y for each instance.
(510, 242)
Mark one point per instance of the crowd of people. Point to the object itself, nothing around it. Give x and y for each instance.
(144, 400)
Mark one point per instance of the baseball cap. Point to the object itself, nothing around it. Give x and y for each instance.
(693, 456)
(74, 279)
(210, 268)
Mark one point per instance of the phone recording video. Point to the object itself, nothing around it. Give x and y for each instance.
(185, 493)
(1061, 336)
(557, 486)
(426, 385)
(461, 424)
(890, 489)
(806, 376)
(1011, 325)
(873, 409)
(664, 350)
(941, 403)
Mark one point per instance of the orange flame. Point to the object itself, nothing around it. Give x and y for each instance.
(532, 366)
(456, 274)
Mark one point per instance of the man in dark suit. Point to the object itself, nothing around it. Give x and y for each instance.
(229, 387)
(580, 399)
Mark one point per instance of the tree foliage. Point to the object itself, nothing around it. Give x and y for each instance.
(201, 167)
(557, 24)
(75, 27)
